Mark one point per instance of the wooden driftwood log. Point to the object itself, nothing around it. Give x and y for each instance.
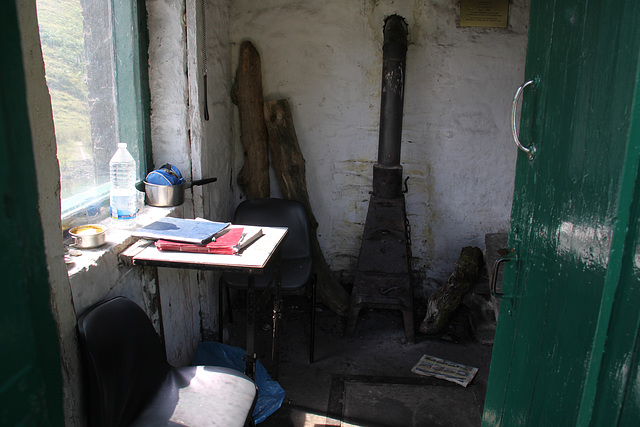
(447, 298)
(289, 166)
(247, 95)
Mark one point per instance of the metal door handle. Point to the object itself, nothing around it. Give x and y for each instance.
(494, 276)
(529, 151)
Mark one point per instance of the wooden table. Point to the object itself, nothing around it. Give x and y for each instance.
(253, 261)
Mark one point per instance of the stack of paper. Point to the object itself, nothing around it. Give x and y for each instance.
(199, 235)
(182, 230)
(445, 370)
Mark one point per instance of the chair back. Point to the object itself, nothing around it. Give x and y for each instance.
(272, 212)
(125, 361)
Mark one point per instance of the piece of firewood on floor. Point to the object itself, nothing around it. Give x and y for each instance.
(446, 299)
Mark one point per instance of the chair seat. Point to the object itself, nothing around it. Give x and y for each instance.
(295, 275)
(129, 378)
(199, 396)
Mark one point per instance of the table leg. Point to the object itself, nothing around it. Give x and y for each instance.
(277, 316)
(220, 312)
(250, 358)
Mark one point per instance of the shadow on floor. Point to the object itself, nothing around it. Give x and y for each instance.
(365, 380)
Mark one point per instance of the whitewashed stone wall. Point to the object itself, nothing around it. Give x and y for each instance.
(326, 59)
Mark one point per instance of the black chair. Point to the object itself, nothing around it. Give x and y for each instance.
(296, 261)
(130, 382)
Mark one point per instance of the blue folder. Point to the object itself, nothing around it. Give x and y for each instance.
(181, 230)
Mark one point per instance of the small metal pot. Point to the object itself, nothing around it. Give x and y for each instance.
(169, 195)
(89, 236)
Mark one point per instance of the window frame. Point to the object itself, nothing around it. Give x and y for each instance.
(130, 40)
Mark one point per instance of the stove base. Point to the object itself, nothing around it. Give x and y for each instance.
(383, 278)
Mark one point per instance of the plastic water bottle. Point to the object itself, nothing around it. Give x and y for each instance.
(123, 200)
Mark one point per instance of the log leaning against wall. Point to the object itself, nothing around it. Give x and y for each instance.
(247, 95)
(289, 166)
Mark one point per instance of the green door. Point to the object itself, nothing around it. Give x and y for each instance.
(30, 370)
(566, 351)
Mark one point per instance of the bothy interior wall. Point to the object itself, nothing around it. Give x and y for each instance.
(325, 58)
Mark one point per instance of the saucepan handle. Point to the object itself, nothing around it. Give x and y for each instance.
(203, 181)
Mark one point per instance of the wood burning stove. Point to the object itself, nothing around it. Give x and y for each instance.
(383, 276)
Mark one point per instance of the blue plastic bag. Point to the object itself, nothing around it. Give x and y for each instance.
(270, 394)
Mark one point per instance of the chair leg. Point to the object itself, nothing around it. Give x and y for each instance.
(351, 321)
(312, 334)
(408, 325)
(220, 316)
(277, 317)
(229, 310)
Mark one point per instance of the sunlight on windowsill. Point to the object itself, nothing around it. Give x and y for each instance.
(117, 240)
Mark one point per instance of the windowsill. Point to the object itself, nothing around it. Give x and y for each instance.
(117, 240)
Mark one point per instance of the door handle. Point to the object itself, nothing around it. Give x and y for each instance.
(494, 276)
(529, 151)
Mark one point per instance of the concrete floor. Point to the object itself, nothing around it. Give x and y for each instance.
(366, 380)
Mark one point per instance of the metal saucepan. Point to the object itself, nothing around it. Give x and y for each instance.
(169, 195)
(89, 236)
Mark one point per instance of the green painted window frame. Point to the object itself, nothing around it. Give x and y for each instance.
(132, 99)
(131, 41)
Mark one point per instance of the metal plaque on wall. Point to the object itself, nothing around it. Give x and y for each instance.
(484, 13)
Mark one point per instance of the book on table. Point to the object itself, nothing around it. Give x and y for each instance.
(230, 241)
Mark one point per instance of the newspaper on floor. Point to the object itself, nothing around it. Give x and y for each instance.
(445, 370)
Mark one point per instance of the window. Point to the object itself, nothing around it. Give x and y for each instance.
(95, 69)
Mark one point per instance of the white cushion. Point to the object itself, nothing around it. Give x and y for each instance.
(199, 396)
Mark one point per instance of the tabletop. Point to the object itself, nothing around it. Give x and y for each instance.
(253, 259)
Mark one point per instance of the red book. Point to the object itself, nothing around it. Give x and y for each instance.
(225, 244)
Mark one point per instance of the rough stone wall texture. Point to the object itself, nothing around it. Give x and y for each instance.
(214, 142)
(326, 59)
(168, 84)
(199, 148)
(47, 169)
(218, 148)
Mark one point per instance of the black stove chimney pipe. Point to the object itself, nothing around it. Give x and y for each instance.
(387, 173)
(383, 276)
